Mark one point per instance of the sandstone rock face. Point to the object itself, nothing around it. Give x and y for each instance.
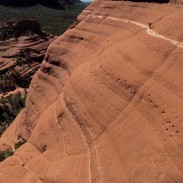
(106, 104)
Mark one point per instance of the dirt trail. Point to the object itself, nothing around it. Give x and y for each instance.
(148, 30)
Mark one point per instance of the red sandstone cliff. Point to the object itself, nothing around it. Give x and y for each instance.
(106, 105)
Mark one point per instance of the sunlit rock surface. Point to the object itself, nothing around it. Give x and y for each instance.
(106, 104)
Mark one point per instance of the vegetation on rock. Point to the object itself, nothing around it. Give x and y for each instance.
(7, 153)
(10, 106)
(20, 142)
(11, 79)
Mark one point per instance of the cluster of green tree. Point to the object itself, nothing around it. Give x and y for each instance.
(49, 3)
(7, 80)
(11, 79)
(7, 153)
(53, 21)
(10, 106)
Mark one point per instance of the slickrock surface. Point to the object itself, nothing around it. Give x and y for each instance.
(106, 105)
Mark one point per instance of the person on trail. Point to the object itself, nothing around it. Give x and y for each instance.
(150, 25)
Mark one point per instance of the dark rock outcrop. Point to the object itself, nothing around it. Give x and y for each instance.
(18, 28)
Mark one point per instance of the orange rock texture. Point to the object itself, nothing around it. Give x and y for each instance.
(106, 106)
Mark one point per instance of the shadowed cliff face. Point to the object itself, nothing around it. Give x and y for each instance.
(106, 104)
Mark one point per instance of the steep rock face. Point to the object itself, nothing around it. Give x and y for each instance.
(106, 104)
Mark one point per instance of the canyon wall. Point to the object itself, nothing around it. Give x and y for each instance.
(106, 104)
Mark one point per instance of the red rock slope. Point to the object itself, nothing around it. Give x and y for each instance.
(106, 105)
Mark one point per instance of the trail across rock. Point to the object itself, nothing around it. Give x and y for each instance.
(148, 30)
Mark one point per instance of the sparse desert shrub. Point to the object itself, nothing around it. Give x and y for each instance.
(5, 154)
(10, 106)
(20, 142)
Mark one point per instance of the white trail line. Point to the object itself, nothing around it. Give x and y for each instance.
(148, 30)
(87, 11)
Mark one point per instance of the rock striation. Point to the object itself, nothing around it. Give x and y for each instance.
(106, 104)
(21, 54)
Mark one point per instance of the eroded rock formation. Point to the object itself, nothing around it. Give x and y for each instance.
(106, 104)
(20, 53)
(15, 29)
